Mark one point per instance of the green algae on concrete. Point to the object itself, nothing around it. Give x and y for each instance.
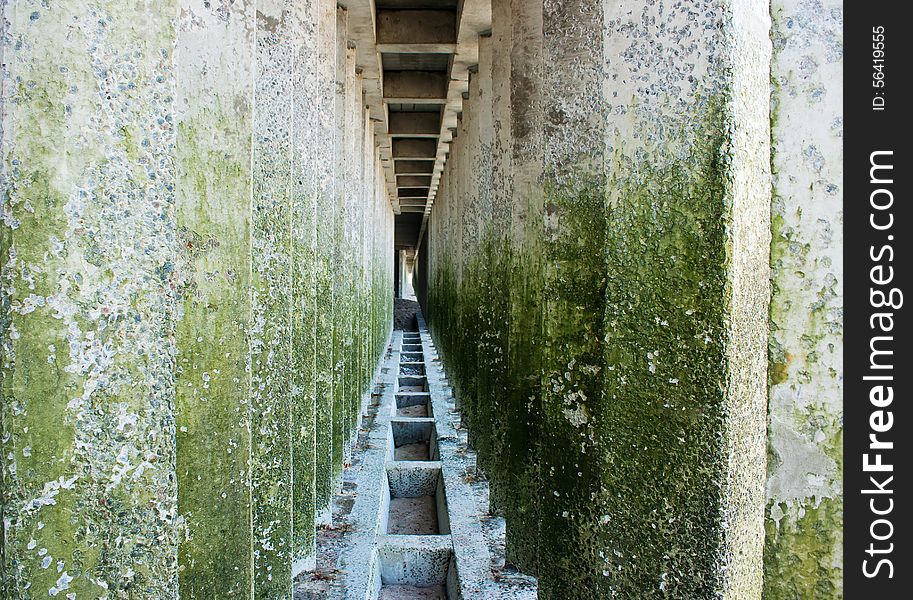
(326, 236)
(803, 554)
(665, 376)
(269, 335)
(800, 556)
(162, 295)
(88, 433)
(213, 355)
(638, 338)
(304, 263)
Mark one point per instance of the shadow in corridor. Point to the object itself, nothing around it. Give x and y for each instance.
(404, 314)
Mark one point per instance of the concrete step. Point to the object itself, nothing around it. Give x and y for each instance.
(417, 567)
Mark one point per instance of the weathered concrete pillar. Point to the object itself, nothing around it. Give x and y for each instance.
(470, 316)
(523, 410)
(340, 302)
(479, 271)
(214, 63)
(166, 193)
(88, 299)
(680, 424)
(326, 256)
(804, 485)
(626, 294)
(270, 330)
(496, 251)
(305, 269)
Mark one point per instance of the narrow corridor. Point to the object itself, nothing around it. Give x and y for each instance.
(621, 221)
(412, 520)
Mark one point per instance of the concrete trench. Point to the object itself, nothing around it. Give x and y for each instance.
(417, 517)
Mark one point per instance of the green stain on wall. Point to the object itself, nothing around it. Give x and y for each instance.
(665, 378)
(164, 299)
(82, 302)
(572, 381)
(600, 336)
(212, 382)
(800, 557)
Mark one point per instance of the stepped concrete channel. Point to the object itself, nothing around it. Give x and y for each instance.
(417, 518)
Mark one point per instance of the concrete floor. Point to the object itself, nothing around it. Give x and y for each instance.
(339, 559)
(416, 451)
(413, 516)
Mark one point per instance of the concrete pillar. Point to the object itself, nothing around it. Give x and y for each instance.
(214, 121)
(456, 206)
(88, 298)
(171, 206)
(469, 330)
(804, 485)
(497, 257)
(270, 330)
(626, 292)
(339, 273)
(681, 425)
(326, 255)
(305, 269)
(525, 346)
(480, 271)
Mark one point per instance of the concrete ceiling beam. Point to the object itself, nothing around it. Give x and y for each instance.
(362, 31)
(415, 124)
(416, 27)
(415, 87)
(417, 48)
(473, 20)
(412, 192)
(413, 167)
(413, 181)
(414, 203)
(414, 148)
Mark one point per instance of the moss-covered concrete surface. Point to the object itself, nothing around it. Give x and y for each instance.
(601, 296)
(165, 291)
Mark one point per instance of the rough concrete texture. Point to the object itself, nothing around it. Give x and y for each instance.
(413, 516)
(413, 451)
(621, 269)
(167, 185)
(88, 299)
(804, 553)
(213, 274)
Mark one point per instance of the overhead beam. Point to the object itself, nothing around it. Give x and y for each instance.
(362, 32)
(413, 192)
(473, 20)
(414, 149)
(415, 124)
(417, 48)
(415, 87)
(413, 167)
(416, 27)
(413, 181)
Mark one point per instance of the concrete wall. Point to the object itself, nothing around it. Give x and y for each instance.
(186, 333)
(804, 551)
(599, 284)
